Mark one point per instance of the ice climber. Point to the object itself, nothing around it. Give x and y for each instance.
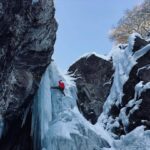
(61, 87)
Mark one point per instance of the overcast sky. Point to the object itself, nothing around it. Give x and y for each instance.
(84, 26)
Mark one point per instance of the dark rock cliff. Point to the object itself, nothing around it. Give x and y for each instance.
(27, 36)
(94, 76)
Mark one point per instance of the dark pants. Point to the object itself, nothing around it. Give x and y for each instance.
(58, 88)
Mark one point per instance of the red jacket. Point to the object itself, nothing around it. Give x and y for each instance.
(61, 85)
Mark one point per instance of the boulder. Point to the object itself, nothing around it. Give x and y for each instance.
(93, 75)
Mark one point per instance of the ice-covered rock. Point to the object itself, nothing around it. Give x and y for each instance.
(128, 102)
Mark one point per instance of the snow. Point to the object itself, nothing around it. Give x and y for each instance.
(123, 117)
(141, 87)
(89, 54)
(134, 103)
(141, 52)
(57, 122)
(136, 106)
(122, 67)
(131, 39)
(123, 62)
(147, 67)
(138, 139)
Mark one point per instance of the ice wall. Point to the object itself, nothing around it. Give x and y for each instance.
(57, 123)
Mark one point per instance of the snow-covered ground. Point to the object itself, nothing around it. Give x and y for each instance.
(123, 62)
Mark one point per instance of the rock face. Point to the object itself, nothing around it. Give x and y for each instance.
(93, 75)
(127, 106)
(28, 32)
(139, 77)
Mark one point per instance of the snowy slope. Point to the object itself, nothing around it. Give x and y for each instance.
(57, 123)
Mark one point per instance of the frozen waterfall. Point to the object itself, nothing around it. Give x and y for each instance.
(56, 123)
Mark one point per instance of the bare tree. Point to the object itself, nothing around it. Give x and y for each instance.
(135, 20)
